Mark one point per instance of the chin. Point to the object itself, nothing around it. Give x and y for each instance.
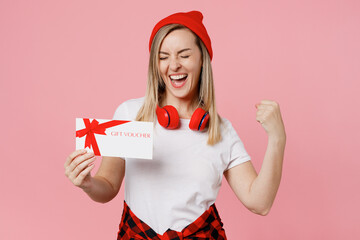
(181, 93)
(183, 96)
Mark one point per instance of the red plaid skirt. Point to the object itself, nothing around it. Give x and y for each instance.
(207, 227)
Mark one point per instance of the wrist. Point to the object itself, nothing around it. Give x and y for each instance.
(278, 138)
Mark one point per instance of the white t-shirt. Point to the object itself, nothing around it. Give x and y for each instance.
(184, 177)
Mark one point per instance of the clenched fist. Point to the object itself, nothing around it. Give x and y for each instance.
(268, 114)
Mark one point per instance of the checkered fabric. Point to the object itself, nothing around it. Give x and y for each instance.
(207, 227)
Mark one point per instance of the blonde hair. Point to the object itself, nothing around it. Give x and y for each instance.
(156, 86)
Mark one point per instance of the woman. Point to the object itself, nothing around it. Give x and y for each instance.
(173, 196)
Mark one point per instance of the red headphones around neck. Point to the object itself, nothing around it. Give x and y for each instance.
(168, 117)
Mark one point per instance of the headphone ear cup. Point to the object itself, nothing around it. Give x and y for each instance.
(168, 117)
(199, 120)
(162, 116)
(174, 116)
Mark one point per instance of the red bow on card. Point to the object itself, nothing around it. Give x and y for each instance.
(95, 127)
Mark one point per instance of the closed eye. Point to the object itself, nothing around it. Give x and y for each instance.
(164, 58)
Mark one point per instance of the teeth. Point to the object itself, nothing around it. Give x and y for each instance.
(177, 77)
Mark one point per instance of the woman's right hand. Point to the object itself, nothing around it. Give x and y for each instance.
(78, 166)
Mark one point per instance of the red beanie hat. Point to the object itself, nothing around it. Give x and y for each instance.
(191, 20)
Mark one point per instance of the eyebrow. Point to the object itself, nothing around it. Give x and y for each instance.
(182, 50)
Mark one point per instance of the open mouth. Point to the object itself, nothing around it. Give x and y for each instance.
(178, 80)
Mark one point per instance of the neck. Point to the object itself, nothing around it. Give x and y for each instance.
(185, 107)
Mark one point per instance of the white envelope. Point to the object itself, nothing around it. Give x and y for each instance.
(115, 138)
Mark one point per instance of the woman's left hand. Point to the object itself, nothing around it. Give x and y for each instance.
(268, 114)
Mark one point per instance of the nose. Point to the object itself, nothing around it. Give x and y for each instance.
(174, 64)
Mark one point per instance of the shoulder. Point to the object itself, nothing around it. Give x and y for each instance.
(228, 132)
(234, 144)
(226, 126)
(128, 109)
(133, 103)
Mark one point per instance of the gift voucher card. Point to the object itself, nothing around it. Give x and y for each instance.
(115, 138)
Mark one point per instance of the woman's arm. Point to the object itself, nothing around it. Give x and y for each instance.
(106, 183)
(257, 192)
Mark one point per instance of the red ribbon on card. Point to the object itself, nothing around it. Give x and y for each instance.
(94, 127)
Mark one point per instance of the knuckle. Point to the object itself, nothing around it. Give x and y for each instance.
(73, 164)
(70, 178)
(74, 174)
(70, 158)
(73, 181)
(77, 169)
(83, 174)
(77, 183)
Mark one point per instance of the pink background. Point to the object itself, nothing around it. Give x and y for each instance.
(65, 59)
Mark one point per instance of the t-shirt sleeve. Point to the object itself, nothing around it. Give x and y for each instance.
(238, 153)
(121, 112)
(128, 109)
